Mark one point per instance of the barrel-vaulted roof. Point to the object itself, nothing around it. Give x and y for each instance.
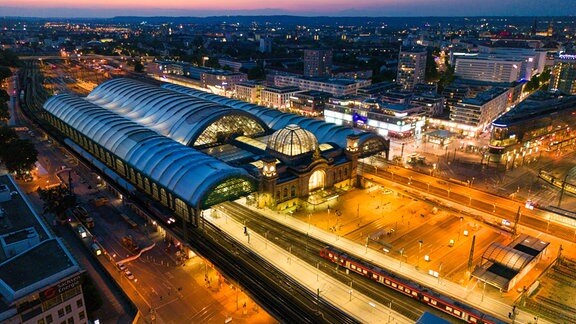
(276, 120)
(188, 173)
(178, 116)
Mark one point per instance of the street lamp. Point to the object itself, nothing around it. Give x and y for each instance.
(373, 308)
(420, 242)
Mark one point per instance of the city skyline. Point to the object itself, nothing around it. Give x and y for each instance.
(411, 8)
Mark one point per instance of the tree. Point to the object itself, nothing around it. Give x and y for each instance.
(57, 200)
(5, 72)
(19, 156)
(431, 73)
(138, 67)
(7, 135)
(8, 58)
(4, 111)
(4, 96)
(256, 73)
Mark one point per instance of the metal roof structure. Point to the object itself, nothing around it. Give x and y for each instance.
(185, 119)
(186, 172)
(276, 120)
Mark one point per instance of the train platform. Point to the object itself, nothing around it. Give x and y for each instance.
(469, 295)
(360, 306)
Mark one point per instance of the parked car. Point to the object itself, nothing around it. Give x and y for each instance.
(121, 266)
(128, 274)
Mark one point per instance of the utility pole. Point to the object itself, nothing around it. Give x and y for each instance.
(471, 256)
(516, 220)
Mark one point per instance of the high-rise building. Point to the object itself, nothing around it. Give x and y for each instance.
(411, 67)
(563, 76)
(265, 45)
(317, 62)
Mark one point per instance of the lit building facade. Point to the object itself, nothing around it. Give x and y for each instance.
(277, 97)
(249, 91)
(336, 87)
(411, 67)
(563, 76)
(317, 62)
(489, 68)
(386, 119)
(473, 115)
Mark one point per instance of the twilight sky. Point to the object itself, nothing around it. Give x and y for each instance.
(110, 8)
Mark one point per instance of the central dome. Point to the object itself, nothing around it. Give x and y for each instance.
(292, 141)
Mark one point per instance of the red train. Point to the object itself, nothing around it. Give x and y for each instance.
(409, 288)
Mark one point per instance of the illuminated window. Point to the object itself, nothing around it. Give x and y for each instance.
(316, 180)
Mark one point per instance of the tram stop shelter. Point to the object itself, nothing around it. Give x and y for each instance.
(440, 136)
(503, 266)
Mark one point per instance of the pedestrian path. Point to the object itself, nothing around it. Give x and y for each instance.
(352, 302)
(479, 300)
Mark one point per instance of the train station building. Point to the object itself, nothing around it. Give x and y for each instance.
(189, 150)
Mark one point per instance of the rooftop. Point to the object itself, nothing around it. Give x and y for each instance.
(538, 104)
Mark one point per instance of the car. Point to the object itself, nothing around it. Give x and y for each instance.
(128, 274)
(121, 266)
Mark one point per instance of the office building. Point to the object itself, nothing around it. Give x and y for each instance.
(317, 62)
(411, 67)
(563, 76)
(265, 45)
(473, 115)
(277, 97)
(249, 91)
(489, 68)
(336, 87)
(221, 82)
(309, 103)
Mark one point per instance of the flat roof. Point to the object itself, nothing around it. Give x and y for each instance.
(18, 215)
(39, 262)
(537, 105)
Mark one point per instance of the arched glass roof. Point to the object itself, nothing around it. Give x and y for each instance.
(189, 174)
(276, 120)
(182, 118)
(292, 140)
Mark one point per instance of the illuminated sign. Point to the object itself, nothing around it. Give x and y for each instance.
(567, 56)
(61, 287)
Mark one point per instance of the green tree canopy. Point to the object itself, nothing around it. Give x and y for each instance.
(5, 72)
(7, 135)
(57, 200)
(138, 67)
(4, 111)
(4, 96)
(8, 58)
(256, 73)
(19, 155)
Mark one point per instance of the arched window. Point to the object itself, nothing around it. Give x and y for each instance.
(293, 191)
(317, 180)
(285, 192)
(277, 194)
